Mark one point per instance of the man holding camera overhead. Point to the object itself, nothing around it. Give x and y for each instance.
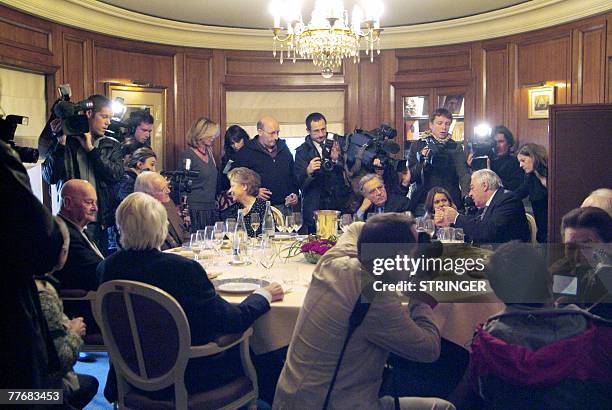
(319, 166)
(89, 155)
(436, 160)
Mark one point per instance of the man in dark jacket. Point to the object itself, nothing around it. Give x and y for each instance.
(501, 217)
(319, 170)
(436, 160)
(270, 157)
(92, 157)
(376, 200)
(29, 245)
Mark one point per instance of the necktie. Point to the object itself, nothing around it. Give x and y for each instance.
(484, 210)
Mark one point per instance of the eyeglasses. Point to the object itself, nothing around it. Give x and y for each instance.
(164, 190)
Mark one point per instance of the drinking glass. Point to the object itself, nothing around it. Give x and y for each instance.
(230, 226)
(459, 235)
(266, 256)
(196, 245)
(297, 221)
(345, 221)
(255, 222)
(219, 234)
(289, 222)
(429, 226)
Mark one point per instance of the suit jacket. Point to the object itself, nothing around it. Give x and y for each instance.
(209, 315)
(79, 272)
(395, 203)
(504, 220)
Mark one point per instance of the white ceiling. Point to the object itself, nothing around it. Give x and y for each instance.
(255, 13)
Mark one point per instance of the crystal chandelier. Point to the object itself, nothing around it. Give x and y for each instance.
(329, 38)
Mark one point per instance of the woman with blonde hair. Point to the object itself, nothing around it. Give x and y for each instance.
(202, 200)
(533, 158)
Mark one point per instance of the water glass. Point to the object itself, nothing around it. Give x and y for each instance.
(219, 234)
(345, 221)
(446, 235)
(196, 245)
(255, 222)
(230, 226)
(297, 221)
(459, 235)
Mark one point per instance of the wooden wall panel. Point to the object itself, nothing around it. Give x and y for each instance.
(369, 95)
(449, 59)
(263, 64)
(496, 85)
(25, 36)
(588, 59)
(197, 79)
(542, 61)
(76, 56)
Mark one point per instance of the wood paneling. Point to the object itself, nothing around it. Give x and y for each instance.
(264, 64)
(588, 63)
(496, 85)
(76, 58)
(369, 99)
(449, 59)
(197, 78)
(25, 37)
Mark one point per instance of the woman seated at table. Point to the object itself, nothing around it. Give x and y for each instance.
(437, 197)
(141, 219)
(244, 187)
(341, 277)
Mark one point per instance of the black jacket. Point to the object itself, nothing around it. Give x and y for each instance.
(276, 173)
(209, 315)
(107, 160)
(504, 220)
(509, 171)
(79, 272)
(538, 196)
(447, 169)
(395, 203)
(125, 186)
(29, 245)
(321, 190)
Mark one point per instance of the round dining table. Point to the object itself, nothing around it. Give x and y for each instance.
(457, 315)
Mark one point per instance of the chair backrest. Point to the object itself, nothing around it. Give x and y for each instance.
(134, 318)
(533, 227)
(277, 215)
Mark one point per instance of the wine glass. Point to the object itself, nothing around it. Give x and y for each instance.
(266, 256)
(297, 221)
(429, 226)
(255, 222)
(345, 221)
(230, 227)
(196, 245)
(289, 222)
(219, 234)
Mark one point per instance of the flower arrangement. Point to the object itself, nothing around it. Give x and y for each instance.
(312, 248)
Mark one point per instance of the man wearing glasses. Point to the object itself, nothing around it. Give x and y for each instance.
(376, 200)
(270, 157)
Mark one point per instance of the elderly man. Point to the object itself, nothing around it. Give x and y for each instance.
(501, 217)
(600, 198)
(156, 185)
(78, 208)
(376, 200)
(270, 157)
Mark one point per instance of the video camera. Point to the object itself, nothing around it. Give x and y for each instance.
(363, 147)
(181, 181)
(8, 126)
(74, 121)
(482, 145)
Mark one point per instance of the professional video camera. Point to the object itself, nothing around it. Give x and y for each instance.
(482, 145)
(8, 126)
(363, 147)
(74, 121)
(181, 182)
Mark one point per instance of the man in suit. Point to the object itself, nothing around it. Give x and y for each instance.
(376, 199)
(78, 208)
(501, 217)
(156, 185)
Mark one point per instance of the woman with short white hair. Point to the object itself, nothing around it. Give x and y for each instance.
(142, 221)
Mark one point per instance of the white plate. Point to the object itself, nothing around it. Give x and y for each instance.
(239, 285)
(239, 263)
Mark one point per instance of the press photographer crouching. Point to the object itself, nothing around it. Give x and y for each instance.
(319, 169)
(436, 160)
(80, 150)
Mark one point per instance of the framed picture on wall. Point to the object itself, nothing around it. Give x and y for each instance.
(539, 100)
(140, 98)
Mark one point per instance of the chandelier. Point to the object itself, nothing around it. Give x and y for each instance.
(329, 38)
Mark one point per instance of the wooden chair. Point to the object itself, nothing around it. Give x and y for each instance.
(80, 302)
(533, 227)
(149, 341)
(277, 215)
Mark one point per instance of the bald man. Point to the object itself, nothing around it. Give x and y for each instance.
(600, 198)
(269, 156)
(78, 208)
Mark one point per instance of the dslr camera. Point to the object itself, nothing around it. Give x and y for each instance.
(327, 164)
(8, 126)
(363, 147)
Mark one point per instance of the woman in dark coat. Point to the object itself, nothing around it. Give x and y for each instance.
(533, 158)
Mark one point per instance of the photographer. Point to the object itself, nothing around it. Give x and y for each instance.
(436, 160)
(90, 156)
(319, 170)
(502, 161)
